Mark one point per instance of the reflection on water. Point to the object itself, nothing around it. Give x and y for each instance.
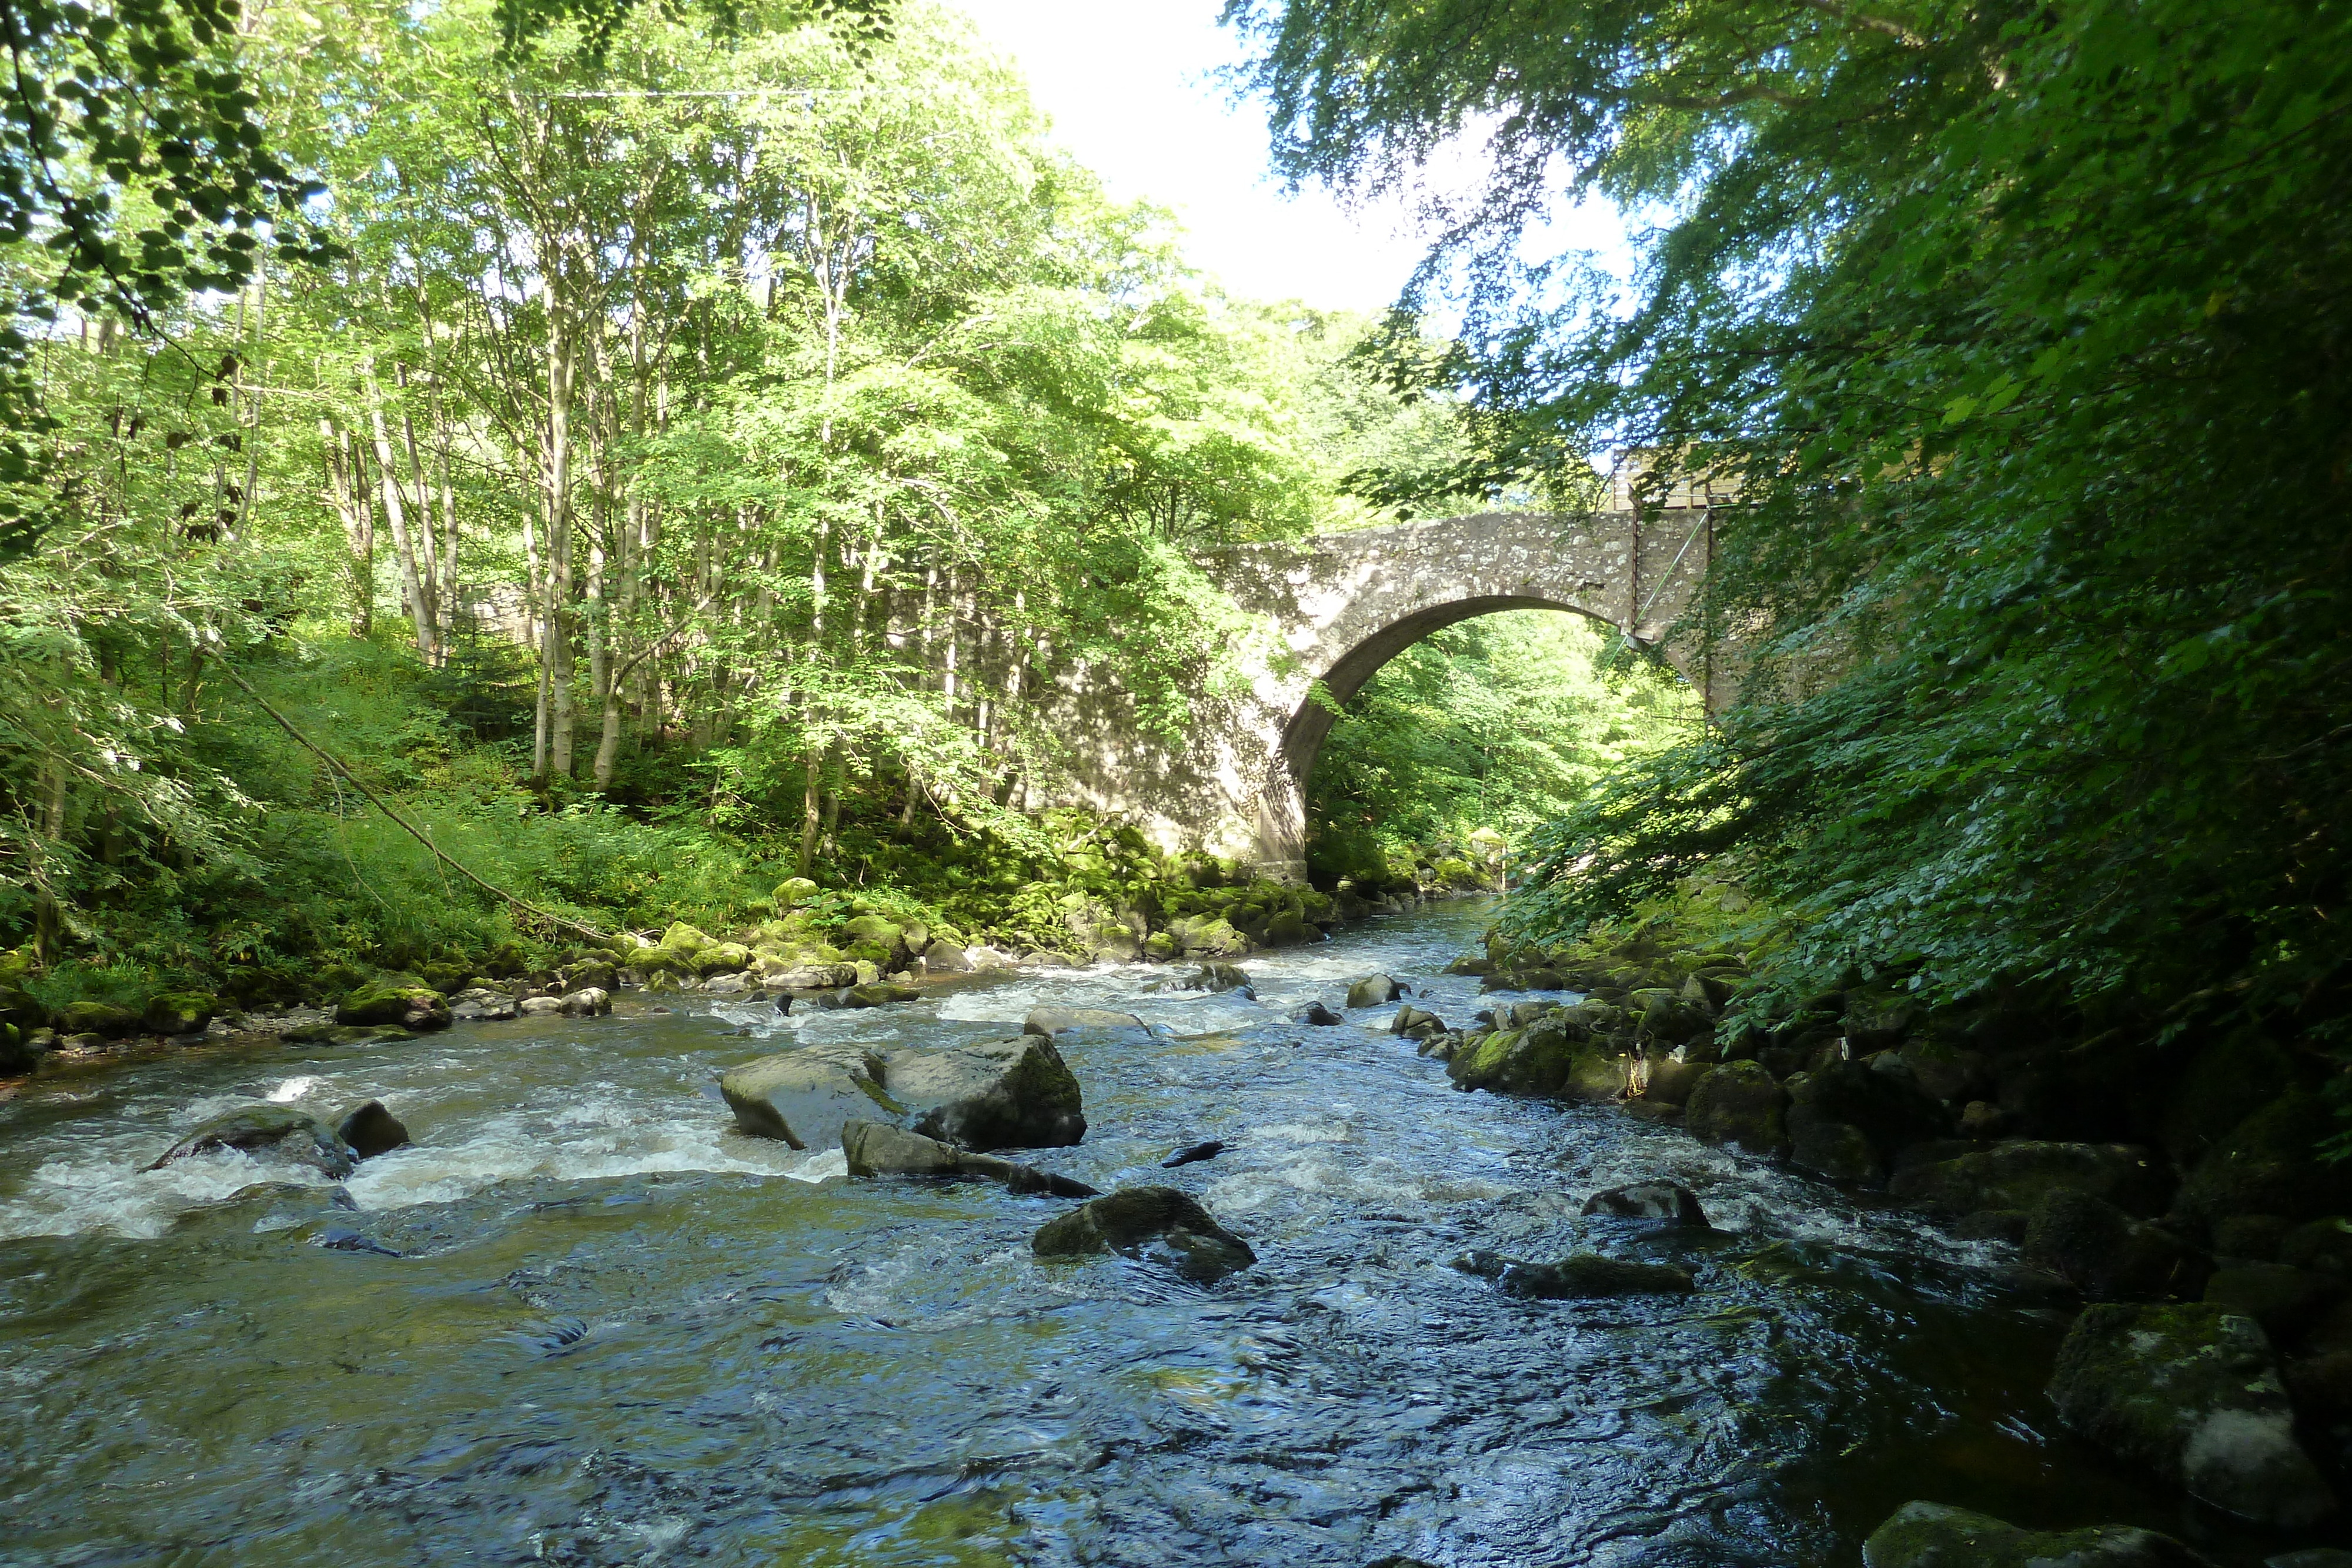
(619, 1332)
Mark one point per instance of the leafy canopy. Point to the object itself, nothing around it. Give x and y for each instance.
(2021, 328)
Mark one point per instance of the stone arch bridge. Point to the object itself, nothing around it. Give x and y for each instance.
(1333, 608)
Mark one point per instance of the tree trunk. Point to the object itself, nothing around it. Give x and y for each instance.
(388, 481)
(348, 489)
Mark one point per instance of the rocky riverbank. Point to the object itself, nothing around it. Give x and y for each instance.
(815, 947)
(2174, 1185)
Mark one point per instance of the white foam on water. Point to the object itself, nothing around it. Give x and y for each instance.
(1116, 990)
(70, 1196)
(577, 1142)
(295, 1089)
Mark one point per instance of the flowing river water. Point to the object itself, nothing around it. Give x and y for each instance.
(618, 1332)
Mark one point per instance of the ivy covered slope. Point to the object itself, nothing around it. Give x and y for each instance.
(2019, 331)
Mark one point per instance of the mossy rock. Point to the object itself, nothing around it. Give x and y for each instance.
(685, 938)
(2019, 1175)
(1290, 930)
(97, 1018)
(18, 1007)
(871, 930)
(17, 1054)
(1934, 1535)
(1216, 939)
(793, 892)
(722, 959)
(448, 978)
(2225, 1082)
(2193, 1392)
(1739, 1103)
(2270, 1164)
(180, 1012)
(401, 999)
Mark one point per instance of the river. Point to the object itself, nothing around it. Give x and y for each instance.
(617, 1332)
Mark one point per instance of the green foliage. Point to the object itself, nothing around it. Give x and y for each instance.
(2018, 328)
(1502, 722)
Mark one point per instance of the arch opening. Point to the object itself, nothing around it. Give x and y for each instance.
(1506, 728)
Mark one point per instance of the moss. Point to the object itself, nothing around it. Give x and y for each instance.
(395, 999)
(180, 1012)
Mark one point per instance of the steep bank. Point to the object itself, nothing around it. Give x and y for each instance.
(1111, 898)
(2178, 1186)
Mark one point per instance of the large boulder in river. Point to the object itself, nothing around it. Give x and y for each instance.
(2191, 1392)
(372, 1130)
(2019, 1175)
(803, 1096)
(267, 1132)
(1014, 1093)
(1217, 978)
(1739, 1103)
(1156, 1222)
(401, 999)
(1933, 1535)
(1373, 991)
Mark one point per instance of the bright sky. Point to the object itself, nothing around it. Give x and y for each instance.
(1129, 87)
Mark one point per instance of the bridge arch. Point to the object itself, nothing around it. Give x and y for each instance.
(1332, 609)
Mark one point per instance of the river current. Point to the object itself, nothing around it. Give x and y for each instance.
(618, 1332)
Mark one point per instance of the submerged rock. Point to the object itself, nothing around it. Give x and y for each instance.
(1931, 1536)
(876, 1148)
(1650, 1200)
(1052, 1021)
(1218, 978)
(343, 1239)
(1155, 1222)
(372, 1130)
(1193, 1153)
(269, 1132)
(1319, 1016)
(1579, 1276)
(2193, 1392)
